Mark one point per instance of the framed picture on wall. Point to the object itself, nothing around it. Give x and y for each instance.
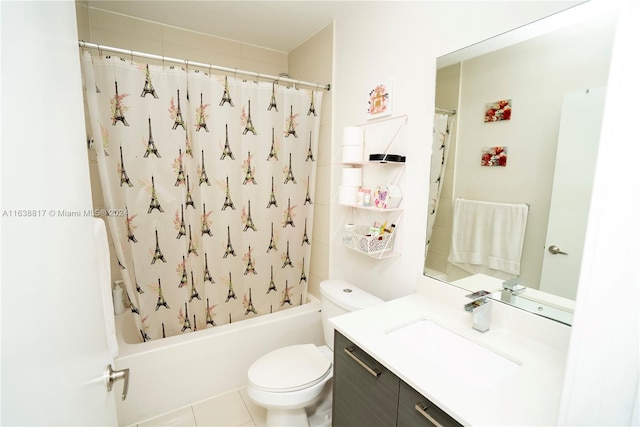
(379, 101)
(497, 111)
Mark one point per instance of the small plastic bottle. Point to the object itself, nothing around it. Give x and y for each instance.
(367, 198)
(360, 198)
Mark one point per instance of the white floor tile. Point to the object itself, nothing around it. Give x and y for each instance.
(182, 417)
(227, 410)
(258, 413)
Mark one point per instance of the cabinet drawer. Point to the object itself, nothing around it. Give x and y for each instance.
(365, 393)
(416, 410)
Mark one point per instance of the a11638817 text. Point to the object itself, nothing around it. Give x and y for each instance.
(64, 213)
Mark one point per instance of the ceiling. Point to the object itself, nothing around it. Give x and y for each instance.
(277, 25)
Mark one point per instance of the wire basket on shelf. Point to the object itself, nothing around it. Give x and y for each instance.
(360, 239)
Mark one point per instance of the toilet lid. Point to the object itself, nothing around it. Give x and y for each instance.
(289, 368)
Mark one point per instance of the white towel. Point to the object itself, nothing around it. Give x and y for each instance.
(104, 277)
(487, 237)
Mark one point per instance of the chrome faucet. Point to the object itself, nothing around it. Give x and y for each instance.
(512, 288)
(481, 310)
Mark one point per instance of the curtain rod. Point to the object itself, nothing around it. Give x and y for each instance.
(133, 53)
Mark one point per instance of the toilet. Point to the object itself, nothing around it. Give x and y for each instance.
(290, 380)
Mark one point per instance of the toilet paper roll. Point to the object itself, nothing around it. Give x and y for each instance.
(352, 153)
(353, 135)
(347, 195)
(351, 177)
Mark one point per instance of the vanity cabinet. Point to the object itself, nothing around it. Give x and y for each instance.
(365, 393)
(415, 410)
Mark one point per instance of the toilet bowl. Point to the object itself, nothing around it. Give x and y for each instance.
(289, 381)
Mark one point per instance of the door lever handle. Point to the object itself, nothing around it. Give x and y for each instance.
(556, 250)
(113, 376)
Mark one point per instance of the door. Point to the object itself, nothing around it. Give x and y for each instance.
(578, 139)
(54, 346)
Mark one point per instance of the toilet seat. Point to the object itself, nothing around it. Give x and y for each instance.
(289, 369)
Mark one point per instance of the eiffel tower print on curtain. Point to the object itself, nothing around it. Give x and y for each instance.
(186, 324)
(157, 254)
(229, 250)
(151, 145)
(124, 179)
(227, 198)
(272, 196)
(289, 175)
(175, 113)
(249, 305)
(155, 204)
(249, 175)
(226, 151)
(179, 223)
(273, 153)
(148, 86)
(291, 125)
(179, 165)
(309, 150)
(203, 172)
(272, 103)
(118, 108)
(248, 123)
(206, 275)
(312, 107)
(161, 301)
(184, 280)
(201, 116)
(226, 96)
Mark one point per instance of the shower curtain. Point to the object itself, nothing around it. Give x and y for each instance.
(208, 182)
(439, 156)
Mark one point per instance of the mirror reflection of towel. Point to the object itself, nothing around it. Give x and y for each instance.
(487, 237)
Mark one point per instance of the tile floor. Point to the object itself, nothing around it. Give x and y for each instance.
(233, 409)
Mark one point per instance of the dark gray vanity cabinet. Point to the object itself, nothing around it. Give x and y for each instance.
(415, 410)
(366, 394)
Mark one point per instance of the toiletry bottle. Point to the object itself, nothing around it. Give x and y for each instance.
(360, 198)
(367, 198)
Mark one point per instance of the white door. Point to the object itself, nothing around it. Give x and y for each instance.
(54, 346)
(578, 140)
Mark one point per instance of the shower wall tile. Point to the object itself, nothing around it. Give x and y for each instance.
(130, 28)
(117, 39)
(273, 69)
(264, 55)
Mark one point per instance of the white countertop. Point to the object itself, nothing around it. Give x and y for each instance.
(527, 395)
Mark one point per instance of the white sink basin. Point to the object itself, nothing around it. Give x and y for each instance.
(450, 354)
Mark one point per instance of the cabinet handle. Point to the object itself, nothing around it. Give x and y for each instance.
(373, 371)
(422, 409)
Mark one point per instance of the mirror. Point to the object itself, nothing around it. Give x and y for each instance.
(541, 69)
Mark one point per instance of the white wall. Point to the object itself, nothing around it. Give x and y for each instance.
(399, 42)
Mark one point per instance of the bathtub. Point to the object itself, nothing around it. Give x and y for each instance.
(178, 371)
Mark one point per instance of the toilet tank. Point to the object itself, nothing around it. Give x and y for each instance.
(339, 297)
